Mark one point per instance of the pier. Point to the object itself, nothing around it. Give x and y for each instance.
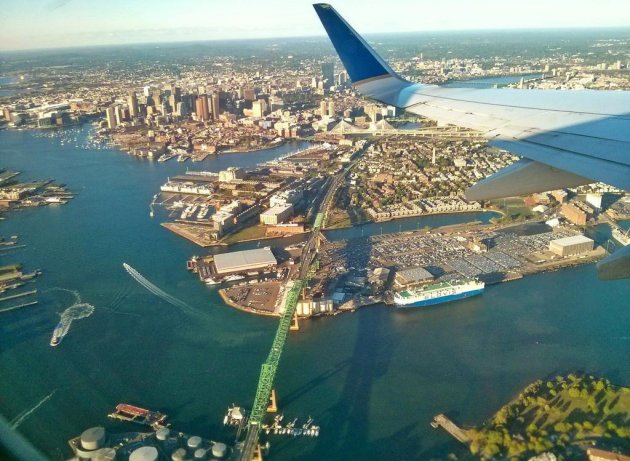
(449, 426)
(18, 295)
(12, 308)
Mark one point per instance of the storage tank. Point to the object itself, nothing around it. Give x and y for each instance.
(179, 455)
(93, 438)
(219, 449)
(162, 433)
(194, 442)
(144, 454)
(201, 454)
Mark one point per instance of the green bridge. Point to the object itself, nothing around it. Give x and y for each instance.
(270, 366)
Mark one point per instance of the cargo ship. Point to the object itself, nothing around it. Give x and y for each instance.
(126, 412)
(57, 335)
(438, 293)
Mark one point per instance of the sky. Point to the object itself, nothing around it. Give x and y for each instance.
(30, 24)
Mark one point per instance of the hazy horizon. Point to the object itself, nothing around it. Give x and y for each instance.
(58, 24)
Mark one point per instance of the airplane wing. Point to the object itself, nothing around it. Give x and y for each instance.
(567, 138)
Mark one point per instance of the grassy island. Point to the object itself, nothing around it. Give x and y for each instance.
(563, 416)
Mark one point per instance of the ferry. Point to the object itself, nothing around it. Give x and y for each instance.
(438, 293)
(57, 335)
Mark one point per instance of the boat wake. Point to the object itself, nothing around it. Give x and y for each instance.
(77, 310)
(19, 419)
(156, 291)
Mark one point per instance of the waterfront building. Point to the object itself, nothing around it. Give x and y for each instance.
(257, 260)
(231, 174)
(412, 277)
(277, 214)
(570, 246)
(574, 214)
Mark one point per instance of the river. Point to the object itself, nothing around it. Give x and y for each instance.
(373, 379)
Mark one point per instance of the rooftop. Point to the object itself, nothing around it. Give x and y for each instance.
(259, 257)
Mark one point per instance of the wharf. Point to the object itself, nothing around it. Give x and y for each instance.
(12, 308)
(449, 426)
(18, 295)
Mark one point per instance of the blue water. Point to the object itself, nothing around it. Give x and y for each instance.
(373, 379)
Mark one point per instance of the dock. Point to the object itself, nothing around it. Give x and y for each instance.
(449, 426)
(12, 308)
(18, 295)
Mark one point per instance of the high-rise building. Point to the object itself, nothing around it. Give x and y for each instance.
(132, 102)
(203, 111)
(215, 103)
(328, 72)
(259, 108)
(331, 109)
(322, 109)
(120, 115)
(110, 114)
(147, 91)
(249, 94)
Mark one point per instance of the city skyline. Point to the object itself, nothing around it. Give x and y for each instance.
(65, 23)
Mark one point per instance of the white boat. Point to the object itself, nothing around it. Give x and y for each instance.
(233, 278)
(57, 335)
(210, 281)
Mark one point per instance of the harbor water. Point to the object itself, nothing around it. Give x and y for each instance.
(372, 380)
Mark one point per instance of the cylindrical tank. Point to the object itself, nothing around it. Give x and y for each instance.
(93, 438)
(219, 449)
(194, 442)
(201, 454)
(162, 433)
(179, 455)
(144, 454)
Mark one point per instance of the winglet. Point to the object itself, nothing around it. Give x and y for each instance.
(360, 60)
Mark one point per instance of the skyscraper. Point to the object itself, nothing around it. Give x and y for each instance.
(132, 102)
(120, 115)
(249, 94)
(328, 72)
(216, 108)
(203, 111)
(322, 109)
(110, 114)
(331, 109)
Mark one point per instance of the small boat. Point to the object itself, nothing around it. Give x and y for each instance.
(211, 281)
(57, 335)
(233, 278)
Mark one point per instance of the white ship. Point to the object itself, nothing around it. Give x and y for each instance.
(438, 293)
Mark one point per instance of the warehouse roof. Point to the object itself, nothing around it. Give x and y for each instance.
(415, 274)
(237, 260)
(573, 240)
(277, 209)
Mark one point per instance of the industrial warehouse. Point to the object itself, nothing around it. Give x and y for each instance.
(234, 265)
